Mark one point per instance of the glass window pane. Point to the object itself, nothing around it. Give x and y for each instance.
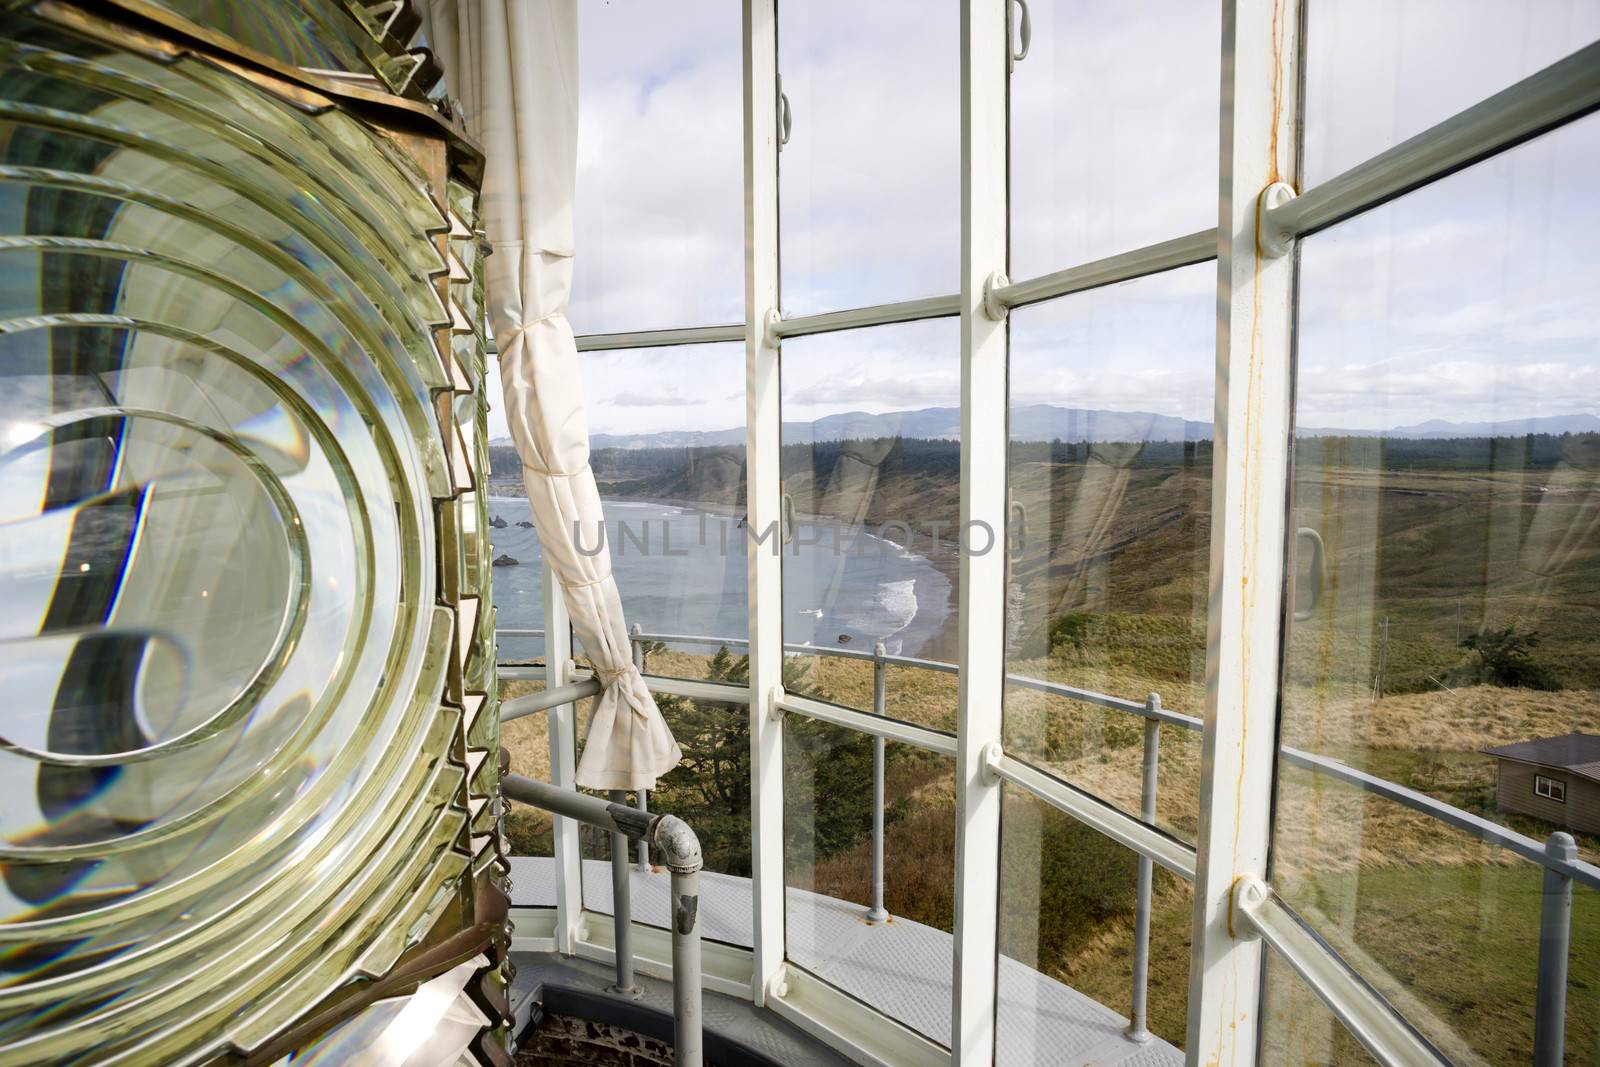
(517, 558)
(1446, 494)
(871, 468)
(1298, 1030)
(1378, 73)
(1068, 902)
(527, 828)
(710, 790)
(660, 205)
(667, 447)
(901, 966)
(666, 438)
(1113, 130)
(1110, 468)
(870, 179)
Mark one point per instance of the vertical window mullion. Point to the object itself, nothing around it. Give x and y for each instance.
(563, 734)
(763, 489)
(1249, 508)
(982, 624)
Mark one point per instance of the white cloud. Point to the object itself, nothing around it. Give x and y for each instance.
(1470, 299)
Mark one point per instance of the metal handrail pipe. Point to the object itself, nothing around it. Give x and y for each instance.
(1095, 813)
(1137, 1016)
(803, 650)
(1557, 94)
(867, 723)
(673, 839)
(934, 307)
(1087, 696)
(1491, 832)
(1582, 872)
(876, 912)
(1555, 952)
(517, 707)
(675, 842)
(694, 639)
(836, 653)
(1125, 266)
(717, 692)
(938, 665)
(622, 903)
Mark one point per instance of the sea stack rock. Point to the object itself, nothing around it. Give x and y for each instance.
(497, 522)
(504, 560)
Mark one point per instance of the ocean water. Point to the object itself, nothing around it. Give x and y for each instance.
(682, 571)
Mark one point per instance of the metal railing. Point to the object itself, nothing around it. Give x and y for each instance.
(680, 852)
(1557, 856)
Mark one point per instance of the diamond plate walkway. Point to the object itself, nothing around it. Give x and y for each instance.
(902, 968)
(737, 1033)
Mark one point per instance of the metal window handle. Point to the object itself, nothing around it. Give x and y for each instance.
(788, 518)
(1026, 32)
(1319, 570)
(1019, 523)
(785, 116)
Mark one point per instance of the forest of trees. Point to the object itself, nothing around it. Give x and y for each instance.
(674, 472)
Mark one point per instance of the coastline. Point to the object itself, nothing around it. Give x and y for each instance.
(943, 555)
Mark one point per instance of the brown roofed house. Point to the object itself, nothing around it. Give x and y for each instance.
(1556, 779)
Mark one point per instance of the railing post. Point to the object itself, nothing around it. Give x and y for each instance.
(642, 801)
(688, 1036)
(1138, 1030)
(1555, 941)
(680, 851)
(876, 913)
(622, 901)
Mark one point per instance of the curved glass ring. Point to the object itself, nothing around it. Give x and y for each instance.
(84, 422)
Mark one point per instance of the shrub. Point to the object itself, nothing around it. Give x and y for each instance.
(1504, 657)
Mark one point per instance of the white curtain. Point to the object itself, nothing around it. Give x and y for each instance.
(513, 67)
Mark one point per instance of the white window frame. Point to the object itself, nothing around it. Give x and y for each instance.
(1237, 918)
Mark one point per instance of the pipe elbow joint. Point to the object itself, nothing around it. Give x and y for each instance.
(677, 844)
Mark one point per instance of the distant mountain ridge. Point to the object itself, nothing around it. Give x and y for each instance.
(1049, 422)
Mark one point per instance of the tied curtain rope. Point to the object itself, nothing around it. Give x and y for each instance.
(512, 65)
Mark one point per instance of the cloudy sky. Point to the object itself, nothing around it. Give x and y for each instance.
(1472, 299)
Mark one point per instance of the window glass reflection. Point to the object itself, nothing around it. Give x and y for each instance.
(1378, 73)
(710, 790)
(660, 204)
(527, 828)
(1446, 496)
(870, 178)
(1113, 130)
(666, 438)
(667, 448)
(1110, 471)
(1298, 1028)
(1069, 899)
(902, 964)
(871, 473)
